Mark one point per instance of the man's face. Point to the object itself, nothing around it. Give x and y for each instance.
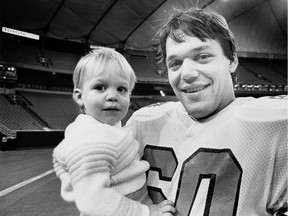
(200, 75)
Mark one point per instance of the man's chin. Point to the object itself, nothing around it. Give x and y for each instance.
(197, 110)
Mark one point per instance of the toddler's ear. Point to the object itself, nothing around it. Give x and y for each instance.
(77, 96)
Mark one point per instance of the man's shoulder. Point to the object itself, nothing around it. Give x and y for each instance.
(268, 108)
(156, 110)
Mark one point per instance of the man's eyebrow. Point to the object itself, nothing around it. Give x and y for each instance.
(171, 57)
(196, 49)
(204, 47)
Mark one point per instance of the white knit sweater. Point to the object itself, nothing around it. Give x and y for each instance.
(98, 164)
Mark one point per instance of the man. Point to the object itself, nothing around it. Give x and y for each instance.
(212, 153)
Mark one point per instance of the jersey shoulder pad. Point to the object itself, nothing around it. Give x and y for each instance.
(263, 109)
(155, 110)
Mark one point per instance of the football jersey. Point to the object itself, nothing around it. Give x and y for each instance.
(231, 163)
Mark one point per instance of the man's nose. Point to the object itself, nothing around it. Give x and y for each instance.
(189, 70)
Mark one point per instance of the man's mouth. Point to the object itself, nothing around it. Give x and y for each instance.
(194, 90)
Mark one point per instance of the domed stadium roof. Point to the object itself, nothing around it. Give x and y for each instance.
(260, 26)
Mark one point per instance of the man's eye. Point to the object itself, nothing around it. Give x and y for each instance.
(100, 87)
(174, 65)
(122, 89)
(203, 57)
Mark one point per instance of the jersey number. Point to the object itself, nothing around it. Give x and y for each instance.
(209, 180)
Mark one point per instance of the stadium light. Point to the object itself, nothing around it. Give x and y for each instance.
(20, 33)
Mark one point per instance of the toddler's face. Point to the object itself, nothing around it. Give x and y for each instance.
(105, 97)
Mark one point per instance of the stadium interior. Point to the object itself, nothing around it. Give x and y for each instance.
(36, 74)
(40, 44)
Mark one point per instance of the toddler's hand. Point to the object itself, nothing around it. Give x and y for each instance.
(164, 208)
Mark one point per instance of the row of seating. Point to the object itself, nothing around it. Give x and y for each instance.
(15, 117)
(56, 110)
(250, 71)
(30, 110)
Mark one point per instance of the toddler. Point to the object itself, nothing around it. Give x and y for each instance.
(98, 162)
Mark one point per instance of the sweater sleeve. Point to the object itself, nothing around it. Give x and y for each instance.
(90, 166)
(94, 197)
(62, 173)
(58, 164)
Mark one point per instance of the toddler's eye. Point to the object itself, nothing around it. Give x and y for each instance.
(100, 87)
(122, 89)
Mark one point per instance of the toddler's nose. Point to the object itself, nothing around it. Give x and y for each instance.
(112, 96)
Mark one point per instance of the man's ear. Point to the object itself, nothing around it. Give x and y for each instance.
(77, 96)
(233, 64)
